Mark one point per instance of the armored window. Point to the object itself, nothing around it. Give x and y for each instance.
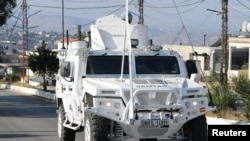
(157, 65)
(106, 65)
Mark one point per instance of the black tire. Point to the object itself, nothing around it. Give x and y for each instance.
(64, 133)
(95, 128)
(196, 129)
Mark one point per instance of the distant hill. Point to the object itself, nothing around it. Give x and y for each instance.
(197, 38)
(54, 23)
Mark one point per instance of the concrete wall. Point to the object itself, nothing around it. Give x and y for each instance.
(30, 91)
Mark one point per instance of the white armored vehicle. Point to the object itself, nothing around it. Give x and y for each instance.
(120, 85)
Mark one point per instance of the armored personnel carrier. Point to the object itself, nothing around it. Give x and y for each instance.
(120, 85)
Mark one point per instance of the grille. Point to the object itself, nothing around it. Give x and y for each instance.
(161, 98)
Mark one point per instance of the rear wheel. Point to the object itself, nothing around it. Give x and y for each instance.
(196, 129)
(95, 128)
(64, 133)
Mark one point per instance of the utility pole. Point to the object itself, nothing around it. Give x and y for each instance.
(25, 25)
(141, 20)
(224, 41)
(25, 34)
(25, 37)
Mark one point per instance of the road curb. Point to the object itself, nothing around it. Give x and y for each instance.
(30, 91)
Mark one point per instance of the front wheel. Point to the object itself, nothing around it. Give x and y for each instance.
(196, 129)
(96, 128)
(64, 133)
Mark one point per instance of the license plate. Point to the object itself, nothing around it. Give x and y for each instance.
(155, 122)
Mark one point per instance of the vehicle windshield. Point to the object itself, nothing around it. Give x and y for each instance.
(106, 65)
(144, 65)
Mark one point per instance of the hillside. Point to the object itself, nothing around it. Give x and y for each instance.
(159, 36)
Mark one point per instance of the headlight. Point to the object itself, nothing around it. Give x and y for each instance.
(108, 104)
(194, 103)
(115, 104)
(189, 104)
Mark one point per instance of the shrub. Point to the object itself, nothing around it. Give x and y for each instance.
(223, 97)
(242, 88)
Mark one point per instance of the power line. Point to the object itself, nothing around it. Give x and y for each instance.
(180, 5)
(242, 4)
(77, 8)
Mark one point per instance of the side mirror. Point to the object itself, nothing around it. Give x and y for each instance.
(196, 77)
(191, 67)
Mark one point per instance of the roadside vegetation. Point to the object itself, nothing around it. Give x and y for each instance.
(44, 62)
(242, 89)
(232, 100)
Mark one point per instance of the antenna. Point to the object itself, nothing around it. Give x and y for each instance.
(128, 45)
(141, 20)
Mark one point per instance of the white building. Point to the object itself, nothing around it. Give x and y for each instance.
(238, 56)
(208, 57)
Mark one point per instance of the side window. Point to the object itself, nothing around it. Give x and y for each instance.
(65, 69)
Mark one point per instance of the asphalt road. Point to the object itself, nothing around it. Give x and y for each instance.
(26, 118)
(29, 118)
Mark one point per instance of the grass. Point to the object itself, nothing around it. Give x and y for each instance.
(229, 114)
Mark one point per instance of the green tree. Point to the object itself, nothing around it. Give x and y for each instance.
(6, 7)
(44, 62)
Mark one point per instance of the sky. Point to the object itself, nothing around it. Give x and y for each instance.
(168, 15)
